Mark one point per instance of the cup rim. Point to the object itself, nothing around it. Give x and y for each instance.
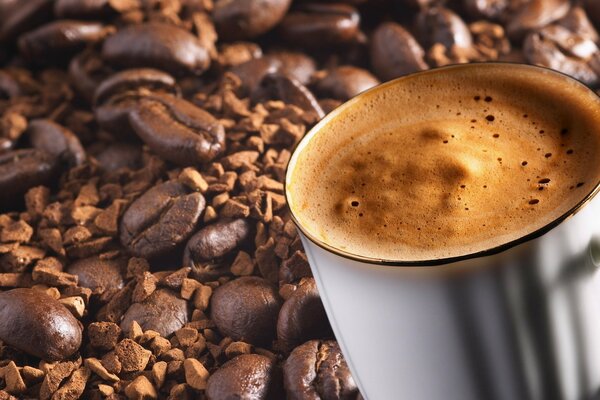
(444, 260)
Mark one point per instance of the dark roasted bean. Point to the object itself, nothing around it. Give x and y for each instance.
(246, 309)
(296, 65)
(24, 169)
(36, 324)
(103, 277)
(441, 25)
(492, 9)
(246, 377)
(288, 90)
(535, 14)
(544, 49)
(317, 370)
(56, 140)
(177, 130)
(132, 79)
(246, 19)
(163, 311)
(56, 41)
(345, 82)
(205, 250)
(5, 8)
(86, 72)
(570, 43)
(156, 45)
(318, 25)
(25, 16)
(161, 220)
(113, 114)
(395, 52)
(577, 22)
(302, 317)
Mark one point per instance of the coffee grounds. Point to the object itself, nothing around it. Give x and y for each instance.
(143, 98)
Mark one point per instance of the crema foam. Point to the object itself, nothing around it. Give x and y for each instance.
(448, 162)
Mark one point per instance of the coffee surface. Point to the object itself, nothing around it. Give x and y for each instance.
(449, 163)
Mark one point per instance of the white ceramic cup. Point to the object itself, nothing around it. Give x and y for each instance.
(517, 322)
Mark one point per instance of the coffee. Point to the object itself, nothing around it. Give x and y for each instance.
(447, 163)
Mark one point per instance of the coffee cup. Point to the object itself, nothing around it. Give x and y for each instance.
(504, 303)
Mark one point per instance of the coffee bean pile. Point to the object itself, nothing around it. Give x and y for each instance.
(145, 246)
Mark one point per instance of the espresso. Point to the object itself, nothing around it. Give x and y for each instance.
(448, 163)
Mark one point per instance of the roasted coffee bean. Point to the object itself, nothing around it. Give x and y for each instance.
(177, 130)
(535, 14)
(23, 17)
(204, 251)
(161, 220)
(251, 72)
(5, 8)
(56, 140)
(492, 9)
(317, 370)
(302, 317)
(86, 71)
(441, 25)
(91, 9)
(246, 19)
(56, 41)
(156, 45)
(246, 309)
(23, 169)
(120, 155)
(287, 89)
(395, 52)
(246, 377)
(317, 25)
(542, 49)
(577, 22)
(571, 43)
(345, 82)
(103, 277)
(36, 324)
(296, 65)
(113, 114)
(133, 79)
(163, 311)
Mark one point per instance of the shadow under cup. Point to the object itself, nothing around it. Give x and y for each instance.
(517, 321)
